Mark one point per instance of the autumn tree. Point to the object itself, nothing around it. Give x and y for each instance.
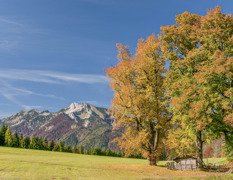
(180, 140)
(139, 101)
(199, 49)
(217, 72)
(208, 152)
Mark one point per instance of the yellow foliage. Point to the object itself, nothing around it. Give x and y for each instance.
(139, 102)
(200, 76)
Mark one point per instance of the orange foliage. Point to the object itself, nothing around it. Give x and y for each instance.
(139, 102)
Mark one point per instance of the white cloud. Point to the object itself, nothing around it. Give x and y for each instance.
(11, 93)
(82, 78)
(13, 34)
(7, 44)
(20, 91)
(50, 76)
(26, 75)
(8, 21)
(10, 34)
(11, 98)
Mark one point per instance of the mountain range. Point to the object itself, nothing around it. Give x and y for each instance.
(78, 124)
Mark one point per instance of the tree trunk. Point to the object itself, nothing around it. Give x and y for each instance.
(152, 160)
(199, 146)
(153, 149)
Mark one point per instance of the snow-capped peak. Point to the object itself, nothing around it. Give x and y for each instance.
(80, 110)
(76, 107)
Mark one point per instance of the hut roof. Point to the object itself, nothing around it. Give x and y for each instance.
(183, 157)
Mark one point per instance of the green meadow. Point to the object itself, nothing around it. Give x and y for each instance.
(33, 164)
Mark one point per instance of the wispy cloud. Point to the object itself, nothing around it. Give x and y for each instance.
(20, 91)
(14, 33)
(11, 32)
(11, 96)
(11, 93)
(7, 44)
(8, 21)
(50, 76)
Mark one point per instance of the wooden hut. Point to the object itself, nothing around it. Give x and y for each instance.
(185, 163)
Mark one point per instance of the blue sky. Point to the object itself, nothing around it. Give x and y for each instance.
(54, 52)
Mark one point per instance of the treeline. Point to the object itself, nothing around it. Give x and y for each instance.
(19, 141)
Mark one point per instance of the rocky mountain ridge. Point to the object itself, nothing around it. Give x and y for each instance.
(78, 124)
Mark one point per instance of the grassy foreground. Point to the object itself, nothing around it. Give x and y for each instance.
(32, 164)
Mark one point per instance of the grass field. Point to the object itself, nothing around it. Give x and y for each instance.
(32, 164)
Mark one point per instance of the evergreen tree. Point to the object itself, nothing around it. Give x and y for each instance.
(56, 147)
(103, 151)
(75, 149)
(86, 152)
(51, 145)
(92, 151)
(25, 142)
(122, 154)
(81, 150)
(20, 139)
(69, 149)
(2, 134)
(108, 152)
(8, 137)
(15, 140)
(60, 146)
(45, 143)
(97, 151)
(33, 144)
(40, 143)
